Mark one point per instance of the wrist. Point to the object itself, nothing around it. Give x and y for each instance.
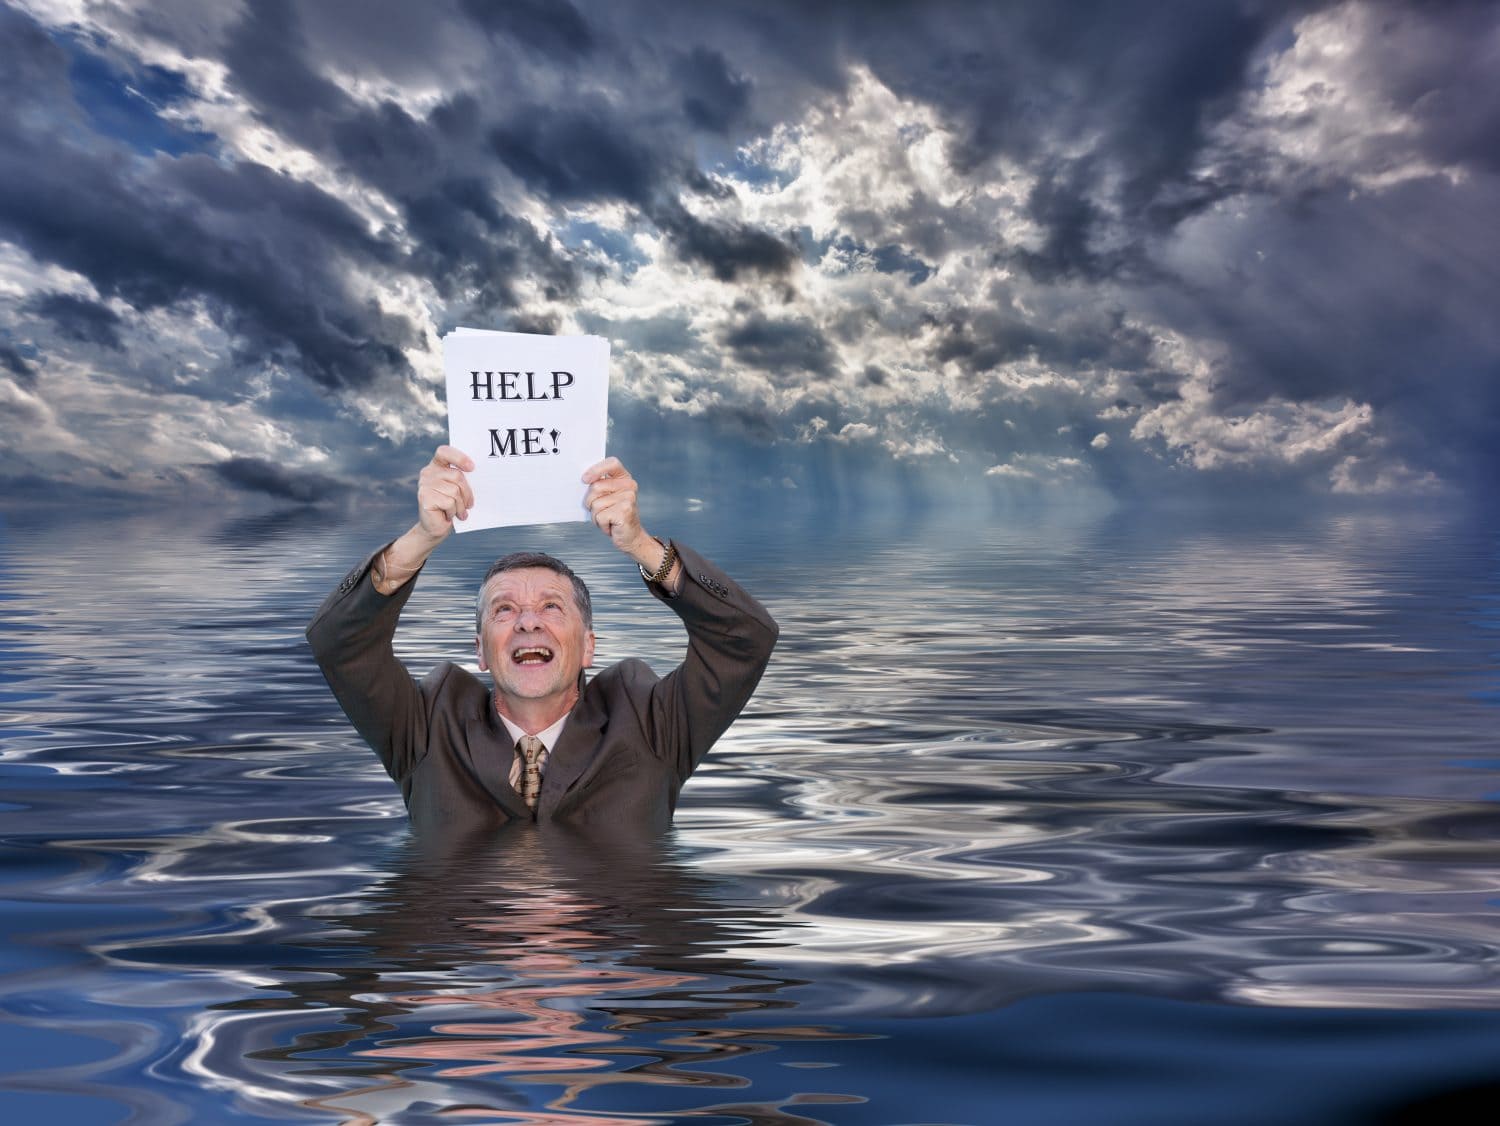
(425, 538)
(657, 561)
(646, 550)
(403, 558)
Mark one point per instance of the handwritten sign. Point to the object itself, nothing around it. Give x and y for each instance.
(531, 411)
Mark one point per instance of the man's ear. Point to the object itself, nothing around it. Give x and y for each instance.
(479, 651)
(588, 650)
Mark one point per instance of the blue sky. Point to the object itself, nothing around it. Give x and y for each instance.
(1119, 248)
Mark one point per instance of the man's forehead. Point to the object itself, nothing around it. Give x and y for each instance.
(526, 581)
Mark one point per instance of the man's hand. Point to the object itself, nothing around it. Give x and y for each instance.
(443, 492)
(611, 501)
(443, 495)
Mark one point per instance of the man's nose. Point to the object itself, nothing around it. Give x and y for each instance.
(528, 619)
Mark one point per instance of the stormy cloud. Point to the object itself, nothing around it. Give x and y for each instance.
(785, 348)
(258, 475)
(1091, 245)
(77, 318)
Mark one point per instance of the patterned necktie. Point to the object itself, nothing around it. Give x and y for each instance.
(531, 749)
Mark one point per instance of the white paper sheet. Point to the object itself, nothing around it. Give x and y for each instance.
(532, 412)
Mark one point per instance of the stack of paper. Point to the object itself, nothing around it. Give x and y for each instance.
(532, 412)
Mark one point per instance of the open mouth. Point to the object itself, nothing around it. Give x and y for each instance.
(531, 655)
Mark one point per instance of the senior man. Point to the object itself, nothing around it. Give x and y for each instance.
(545, 743)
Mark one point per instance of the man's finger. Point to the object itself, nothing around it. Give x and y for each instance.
(452, 455)
(433, 476)
(609, 467)
(450, 490)
(456, 478)
(611, 486)
(439, 510)
(604, 508)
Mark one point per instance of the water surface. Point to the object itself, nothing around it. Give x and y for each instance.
(1039, 819)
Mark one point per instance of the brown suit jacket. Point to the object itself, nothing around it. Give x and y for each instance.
(629, 743)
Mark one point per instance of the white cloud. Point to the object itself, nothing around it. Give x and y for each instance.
(1333, 104)
(1041, 468)
(855, 432)
(918, 446)
(21, 275)
(1357, 476)
(1275, 432)
(814, 427)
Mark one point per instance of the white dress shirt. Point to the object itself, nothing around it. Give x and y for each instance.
(548, 736)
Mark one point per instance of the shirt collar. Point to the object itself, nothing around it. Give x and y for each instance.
(548, 735)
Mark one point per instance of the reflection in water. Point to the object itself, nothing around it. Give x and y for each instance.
(969, 874)
(1207, 794)
(522, 976)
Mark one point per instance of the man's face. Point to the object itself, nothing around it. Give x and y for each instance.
(531, 636)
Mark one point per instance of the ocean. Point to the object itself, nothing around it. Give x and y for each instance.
(1040, 816)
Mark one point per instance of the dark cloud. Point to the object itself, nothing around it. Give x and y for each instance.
(266, 53)
(1062, 205)
(470, 249)
(896, 260)
(77, 318)
(1307, 261)
(579, 146)
(36, 68)
(439, 169)
(459, 120)
(982, 341)
(670, 334)
(785, 348)
(261, 250)
(580, 153)
(1385, 298)
(553, 26)
(727, 249)
(713, 96)
(545, 323)
(1166, 120)
(264, 252)
(256, 475)
(18, 365)
(1129, 89)
(387, 146)
(1436, 62)
(1069, 339)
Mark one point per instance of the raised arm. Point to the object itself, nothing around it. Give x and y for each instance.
(730, 634)
(352, 631)
(611, 501)
(443, 495)
(730, 638)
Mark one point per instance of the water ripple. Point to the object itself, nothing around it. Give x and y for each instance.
(1192, 768)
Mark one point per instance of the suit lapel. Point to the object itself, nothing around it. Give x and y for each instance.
(577, 747)
(487, 753)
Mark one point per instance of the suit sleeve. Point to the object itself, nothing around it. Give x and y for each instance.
(351, 638)
(730, 638)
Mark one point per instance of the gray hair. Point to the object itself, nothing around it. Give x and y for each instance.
(520, 560)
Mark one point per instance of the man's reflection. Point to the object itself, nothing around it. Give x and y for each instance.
(531, 969)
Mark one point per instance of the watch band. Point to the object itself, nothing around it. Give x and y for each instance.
(666, 565)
